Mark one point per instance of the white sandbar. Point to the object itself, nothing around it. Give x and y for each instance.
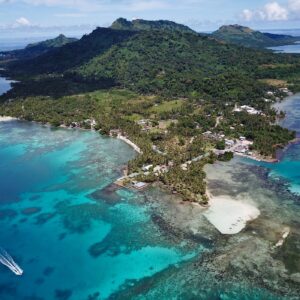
(230, 216)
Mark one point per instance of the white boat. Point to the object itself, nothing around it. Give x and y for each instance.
(8, 261)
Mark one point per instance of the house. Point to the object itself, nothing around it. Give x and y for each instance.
(241, 149)
(147, 168)
(114, 132)
(229, 143)
(139, 185)
(250, 110)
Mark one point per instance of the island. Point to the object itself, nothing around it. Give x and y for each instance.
(180, 98)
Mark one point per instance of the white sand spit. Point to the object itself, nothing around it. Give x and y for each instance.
(230, 216)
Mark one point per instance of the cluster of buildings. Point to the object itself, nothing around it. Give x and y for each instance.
(286, 91)
(213, 135)
(145, 124)
(157, 170)
(240, 146)
(246, 108)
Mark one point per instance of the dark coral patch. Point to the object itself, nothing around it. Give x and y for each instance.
(48, 271)
(7, 289)
(62, 236)
(63, 294)
(95, 296)
(100, 248)
(31, 210)
(7, 214)
(107, 195)
(79, 218)
(39, 281)
(43, 218)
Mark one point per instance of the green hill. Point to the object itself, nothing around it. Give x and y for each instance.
(36, 49)
(73, 54)
(248, 37)
(166, 62)
(139, 24)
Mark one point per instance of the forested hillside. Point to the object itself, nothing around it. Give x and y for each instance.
(248, 37)
(173, 92)
(171, 63)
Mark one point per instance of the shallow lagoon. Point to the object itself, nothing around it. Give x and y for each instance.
(77, 237)
(71, 235)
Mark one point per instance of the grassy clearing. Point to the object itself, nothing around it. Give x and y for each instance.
(167, 106)
(275, 82)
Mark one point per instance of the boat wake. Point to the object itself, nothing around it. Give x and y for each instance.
(8, 261)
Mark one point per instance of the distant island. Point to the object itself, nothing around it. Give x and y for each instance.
(36, 49)
(180, 98)
(248, 37)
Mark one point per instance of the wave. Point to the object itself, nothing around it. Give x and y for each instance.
(8, 261)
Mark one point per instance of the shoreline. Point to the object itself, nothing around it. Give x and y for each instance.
(7, 119)
(270, 160)
(130, 143)
(119, 136)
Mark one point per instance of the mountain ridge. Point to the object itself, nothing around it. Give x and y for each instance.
(39, 48)
(140, 24)
(248, 37)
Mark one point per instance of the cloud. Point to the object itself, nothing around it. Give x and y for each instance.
(247, 15)
(294, 5)
(272, 11)
(22, 22)
(294, 9)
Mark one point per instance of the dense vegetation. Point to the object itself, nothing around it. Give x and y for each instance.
(70, 55)
(247, 37)
(165, 88)
(139, 24)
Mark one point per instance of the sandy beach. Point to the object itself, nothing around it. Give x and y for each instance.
(228, 215)
(130, 143)
(6, 119)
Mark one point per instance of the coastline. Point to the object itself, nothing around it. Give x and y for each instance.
(130, 143)
(7, 119)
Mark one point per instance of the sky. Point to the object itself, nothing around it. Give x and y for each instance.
(19, 17)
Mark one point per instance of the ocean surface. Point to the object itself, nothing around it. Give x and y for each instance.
(78, 237)
(71, 232)
(5, 85)
(295, 48)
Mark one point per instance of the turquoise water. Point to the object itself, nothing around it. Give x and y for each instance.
(288, 169)
(73, 236)
(295, 48)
